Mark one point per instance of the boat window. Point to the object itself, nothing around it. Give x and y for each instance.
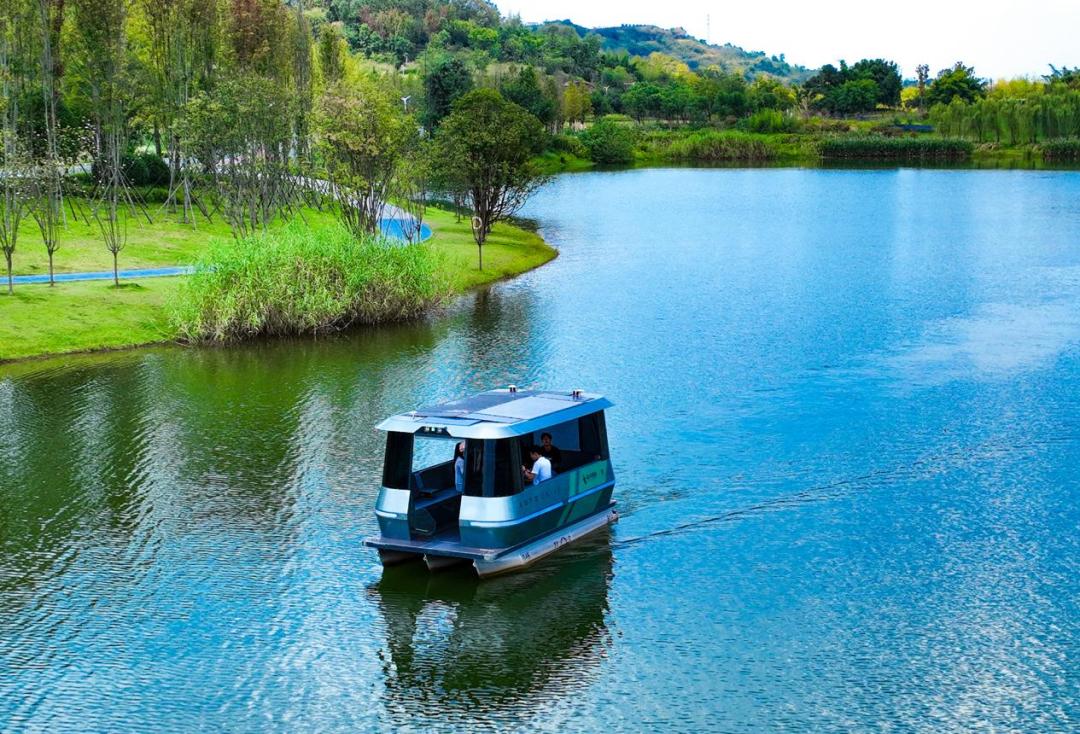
(397, 464)
(507, 469)
(474, 468)
(593, 433)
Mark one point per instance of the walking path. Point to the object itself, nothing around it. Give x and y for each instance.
(391, 226)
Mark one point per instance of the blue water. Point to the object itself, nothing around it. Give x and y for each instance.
(846, 438)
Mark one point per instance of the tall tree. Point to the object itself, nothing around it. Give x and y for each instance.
(484, 149)
(363, 136)
(958, 82)
(445, 80)
(14, 173)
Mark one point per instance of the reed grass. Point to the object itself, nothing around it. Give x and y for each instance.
(717, 145)
(881, 147)
(1061, 149)
(300, 280)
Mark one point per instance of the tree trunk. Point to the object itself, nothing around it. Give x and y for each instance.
(157, 139)
(52, 282)
(115, 272)
(480, 249)
(10, 281)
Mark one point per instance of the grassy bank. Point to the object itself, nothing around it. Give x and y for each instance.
(71, 317)
(811, 144)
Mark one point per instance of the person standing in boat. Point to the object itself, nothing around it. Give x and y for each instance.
(550, 452)
(541, 467)
(459, 467)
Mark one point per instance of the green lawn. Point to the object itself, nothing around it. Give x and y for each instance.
(72, 317)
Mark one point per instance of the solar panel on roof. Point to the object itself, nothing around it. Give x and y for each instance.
(524, 408)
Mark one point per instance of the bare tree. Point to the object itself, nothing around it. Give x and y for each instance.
(922, 74)
(48, 208)
(412, 188)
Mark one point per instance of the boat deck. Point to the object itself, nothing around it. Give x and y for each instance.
(446, 543)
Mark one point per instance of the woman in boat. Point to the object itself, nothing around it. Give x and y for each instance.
(459, 467)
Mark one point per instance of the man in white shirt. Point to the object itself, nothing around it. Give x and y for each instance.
(541, 468)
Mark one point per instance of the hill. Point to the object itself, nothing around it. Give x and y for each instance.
(642, 40)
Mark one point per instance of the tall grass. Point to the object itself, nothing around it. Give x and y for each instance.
(1062, 149)
(880, 147)
(716, 145)
(303, 280)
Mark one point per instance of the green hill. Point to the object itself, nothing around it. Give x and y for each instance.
(642, 40)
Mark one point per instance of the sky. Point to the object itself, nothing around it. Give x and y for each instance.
(1000, 38)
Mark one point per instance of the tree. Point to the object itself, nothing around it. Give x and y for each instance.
(841, 92)
(885, 74)
(363, 136)
(576, 104)
(769, 93)
(14, 173)
(922, 75)
(609, 142)
(484, 150)
(445, 81)
(524, 89)
(241, 133)
(959, 82)
(331, 54)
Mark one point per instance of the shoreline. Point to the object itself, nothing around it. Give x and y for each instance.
(137, 315)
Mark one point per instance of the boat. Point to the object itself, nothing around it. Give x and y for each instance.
(492, 514)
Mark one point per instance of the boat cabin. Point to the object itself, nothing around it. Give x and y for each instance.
(455, 475)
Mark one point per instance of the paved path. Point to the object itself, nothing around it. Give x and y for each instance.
(391, 227)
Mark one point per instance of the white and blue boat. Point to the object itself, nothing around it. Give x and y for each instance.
(485, 509)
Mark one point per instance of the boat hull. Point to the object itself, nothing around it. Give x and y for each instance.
(439, 554)
(517, 559)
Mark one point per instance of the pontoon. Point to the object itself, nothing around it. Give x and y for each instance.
(492, 515)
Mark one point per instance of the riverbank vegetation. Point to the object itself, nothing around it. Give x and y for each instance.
(301, 280)
(86, 316)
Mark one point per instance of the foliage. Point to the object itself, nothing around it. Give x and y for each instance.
(857, 88)
(880, 147)
(1032, 117)
(716, 146)
(959, 82)
(445, 81)
(770, 121)
(1062, 150)
(524, 89)
(241, 133)
(363, 135)
(300, 280)
(609, 142)
(483, 153)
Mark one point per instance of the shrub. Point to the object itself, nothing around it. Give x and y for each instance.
(569, 144)
(140, 169)
(1061, 149)
(879, 147)
(609, 141)
(770, 121)
(300, 280)
(714, 146)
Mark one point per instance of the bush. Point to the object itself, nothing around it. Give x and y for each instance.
(140, 169)
(1061, 149)
(715, 146)
(609, 141)
(569, 144)
(879, 147)
(770, 121)
(299, 280)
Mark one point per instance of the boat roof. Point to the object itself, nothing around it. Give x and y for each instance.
(494, 414)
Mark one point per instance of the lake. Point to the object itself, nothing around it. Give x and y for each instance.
(846, 437)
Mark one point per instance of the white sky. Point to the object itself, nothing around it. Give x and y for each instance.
(1000, 38)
